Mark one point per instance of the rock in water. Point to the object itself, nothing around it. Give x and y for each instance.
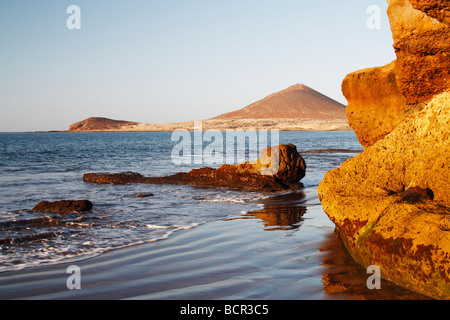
(64, 206)
(278, 168)
(405, 233)
(143, 195)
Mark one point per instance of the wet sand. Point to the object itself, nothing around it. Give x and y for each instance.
(286, 251)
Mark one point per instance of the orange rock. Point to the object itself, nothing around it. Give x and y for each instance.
(278, 168)
(421, 33)
(407, 233)
(375, 104)
(391, 203)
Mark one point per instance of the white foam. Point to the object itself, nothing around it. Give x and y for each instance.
(152, 226)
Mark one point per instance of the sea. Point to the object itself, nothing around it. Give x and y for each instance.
(49, 166)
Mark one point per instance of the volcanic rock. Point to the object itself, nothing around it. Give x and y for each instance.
(421, 32)
(64, 206)
(278, 168)
(375, 104)
(381, 98)
(404, 233)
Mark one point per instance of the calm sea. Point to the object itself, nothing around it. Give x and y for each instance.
(49, 166)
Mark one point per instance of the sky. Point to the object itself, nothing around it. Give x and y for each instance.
(175, 60)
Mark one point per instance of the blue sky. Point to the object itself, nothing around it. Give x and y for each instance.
(175, 60)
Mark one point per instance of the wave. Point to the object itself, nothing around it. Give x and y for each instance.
(29, 238)
(70, 253)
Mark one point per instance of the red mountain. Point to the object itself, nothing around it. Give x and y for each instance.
(295, 102)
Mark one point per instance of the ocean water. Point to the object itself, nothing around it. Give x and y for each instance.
(49, 166)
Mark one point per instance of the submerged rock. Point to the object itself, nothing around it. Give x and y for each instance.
(143, 195)
(64, 206)
(278, 168)
(391, 203)
(29, 238)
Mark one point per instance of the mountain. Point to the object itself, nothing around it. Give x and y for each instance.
(296, 108)
(295, 102)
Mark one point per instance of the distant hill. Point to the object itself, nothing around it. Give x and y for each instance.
(100, 124)
(295, 102)
(296, 108)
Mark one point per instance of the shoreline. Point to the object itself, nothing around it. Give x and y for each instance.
(256, 256)
(236, 124)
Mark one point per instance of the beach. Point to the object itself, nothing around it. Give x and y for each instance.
(286, 251)
(222, 151)
(169, 242)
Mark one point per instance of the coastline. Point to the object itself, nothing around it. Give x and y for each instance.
(236, 124)
(254, 256)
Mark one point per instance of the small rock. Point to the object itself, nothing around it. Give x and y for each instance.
(64, 206)
(143, 195)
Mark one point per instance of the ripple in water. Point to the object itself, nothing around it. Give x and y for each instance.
(49, 166)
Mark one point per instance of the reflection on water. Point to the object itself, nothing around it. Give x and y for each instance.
(280, 217)
(342, 277)
(346, 279)
(281, 212)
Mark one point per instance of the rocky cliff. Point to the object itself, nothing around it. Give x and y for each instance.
(380, 108)
(391, 203)
(421, 35)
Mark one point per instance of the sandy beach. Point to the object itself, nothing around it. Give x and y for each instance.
(255, 256)
(225, 150)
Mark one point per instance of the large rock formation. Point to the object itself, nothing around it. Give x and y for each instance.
(391, 203)
(278, 168)
(421, 31)
(381, 98)
(375, 104)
